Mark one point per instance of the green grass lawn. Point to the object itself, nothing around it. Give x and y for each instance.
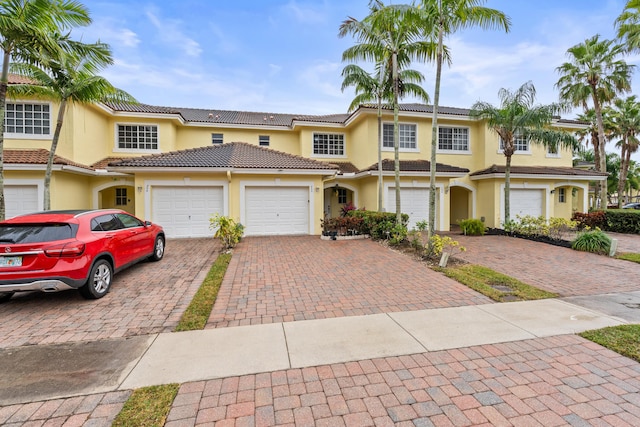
(196, 315)
(486, 281)
(629, 257)
(147, 407)
(623, 339)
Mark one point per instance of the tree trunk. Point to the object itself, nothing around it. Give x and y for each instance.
(52, 154)
(596, 159)
(507, 190)
(4, 79)
(434, 131)
(380, 148)
(601, 146)
(625, 159)
(396, 137)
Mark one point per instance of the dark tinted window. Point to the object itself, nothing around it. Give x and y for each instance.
(35, 233)
(129, 221)
(105, 223)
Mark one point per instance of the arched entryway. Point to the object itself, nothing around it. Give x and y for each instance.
(336, 197)
(460, 204)
(119, 195)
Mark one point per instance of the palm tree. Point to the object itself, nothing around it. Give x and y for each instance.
(628, 25)
(68, 77)
(518, 116)
(440, 19)
(595, 73)
(625, 121)
(389, 38)
(25, 28)
(378, 89)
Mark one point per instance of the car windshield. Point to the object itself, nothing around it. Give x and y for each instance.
(35, 233)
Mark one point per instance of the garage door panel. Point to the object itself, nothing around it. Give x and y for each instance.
(20, 199)
(525, 202)
(185, 211)
(276, 210)
(413, 202)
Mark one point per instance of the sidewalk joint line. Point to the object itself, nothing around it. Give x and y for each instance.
(286, 344)
(407, 332)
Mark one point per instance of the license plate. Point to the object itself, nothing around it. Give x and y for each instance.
(10, 261)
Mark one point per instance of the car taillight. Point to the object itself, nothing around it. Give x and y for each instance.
(72, 249)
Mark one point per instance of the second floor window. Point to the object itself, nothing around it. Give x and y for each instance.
(263, 140)
(27, 119)
(217, 138)
(328, 144)
(406, 136)
(138, 137)
(453, 139)
(520, 144)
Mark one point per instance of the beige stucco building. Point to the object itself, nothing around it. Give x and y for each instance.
(276, 173)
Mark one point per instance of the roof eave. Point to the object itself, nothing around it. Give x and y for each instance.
(540, 176)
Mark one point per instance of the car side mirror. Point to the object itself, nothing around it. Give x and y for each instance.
(147, 223)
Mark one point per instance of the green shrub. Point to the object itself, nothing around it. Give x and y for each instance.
(422, 225)
(439, 244)
(559, 228)
(226, 230)
(595, 241)
(591, 220)
(379, 225)
(347, 225)
(472, 227)
(623, 221)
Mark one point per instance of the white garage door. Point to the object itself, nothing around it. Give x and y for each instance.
(525, 202)
(185, 211)
(414, 202)
(276, 210)
(20, 199)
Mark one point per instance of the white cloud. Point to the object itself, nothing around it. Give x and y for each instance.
(308, 13)
(274, 69)
(323, 77)
(169, 32)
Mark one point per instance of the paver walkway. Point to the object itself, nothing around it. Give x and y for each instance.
(147, 298)
(555, 269)
(281, 279)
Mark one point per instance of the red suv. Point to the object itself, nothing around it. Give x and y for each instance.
(56, 250)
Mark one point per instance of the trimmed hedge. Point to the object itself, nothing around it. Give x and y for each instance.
(623, 221)
(615, 220)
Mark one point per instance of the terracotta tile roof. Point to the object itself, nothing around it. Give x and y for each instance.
(15, 79)
(346, 167)
(239, 155)
(415, 166)
(102, 164)
(538, 170)
(424, 108)
(37, 157)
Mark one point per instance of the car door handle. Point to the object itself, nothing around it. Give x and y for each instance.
(108, 236)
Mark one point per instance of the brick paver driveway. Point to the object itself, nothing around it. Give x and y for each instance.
(276, 279)
(556, 269)
(146, 298)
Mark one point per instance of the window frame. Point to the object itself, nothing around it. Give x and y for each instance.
(264, 138)
(414, 149)
(329, 135)
(515, 144)
(121, 197)
(215, 136)
(342, 196)
(18, 135)
(118, 149)
(552, 155)
(562, 195)
(453, 150)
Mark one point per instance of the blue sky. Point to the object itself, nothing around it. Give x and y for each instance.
(285, 55)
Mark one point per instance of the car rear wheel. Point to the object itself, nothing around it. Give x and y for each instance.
(99, 280)
(158, 249)
(5, 296)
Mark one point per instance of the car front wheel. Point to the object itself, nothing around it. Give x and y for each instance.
(158, 249)
(99, 280)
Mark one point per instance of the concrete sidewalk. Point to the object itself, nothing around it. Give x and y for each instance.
(218, 353)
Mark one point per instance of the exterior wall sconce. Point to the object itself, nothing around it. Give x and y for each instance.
(139, 189)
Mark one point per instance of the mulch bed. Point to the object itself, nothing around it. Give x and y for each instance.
(542, 239)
